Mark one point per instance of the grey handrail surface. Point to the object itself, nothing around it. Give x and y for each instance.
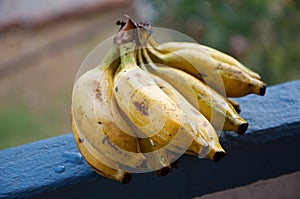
(53, 168)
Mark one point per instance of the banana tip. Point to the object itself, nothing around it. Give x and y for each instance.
(163, 171)
(242, 128)
(218, 156)
(262, 89)
(126, 178)
(237, 109)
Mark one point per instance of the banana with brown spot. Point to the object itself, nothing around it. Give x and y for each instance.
(212, 105)
(213, 53)
(227, 80)
(150, 109)
(216, 152)
(91, 109)
(96, 159)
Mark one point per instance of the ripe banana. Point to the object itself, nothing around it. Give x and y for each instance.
(213, 53)
(150, 109)
(218, 75)
(216, 152)
(158, 160)
(91, 109)
(92, 156)
(213, 106)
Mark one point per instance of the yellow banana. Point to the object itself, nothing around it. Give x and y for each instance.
(91, 155)
(162, 157)
(222, 57)
(150, 109)
(213, 106)
(213, 53)
(91, 107)
(218, 75)
(216, 152)
(158, 160)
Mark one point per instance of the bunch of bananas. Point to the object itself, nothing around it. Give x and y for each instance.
(147, 103)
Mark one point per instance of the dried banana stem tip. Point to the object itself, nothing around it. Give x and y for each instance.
(163, 171)
(126, 178)
(127, 32)
(218, 156)
(237, 108)
(242, 128)
(262, 90)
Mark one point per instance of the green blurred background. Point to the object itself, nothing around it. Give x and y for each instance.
(39, 61)
(264, 35)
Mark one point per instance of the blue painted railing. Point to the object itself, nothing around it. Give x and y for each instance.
(53, 168)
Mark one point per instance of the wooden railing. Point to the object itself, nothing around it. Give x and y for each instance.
(53, 168)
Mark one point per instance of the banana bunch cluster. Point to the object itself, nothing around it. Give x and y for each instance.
(147, 103)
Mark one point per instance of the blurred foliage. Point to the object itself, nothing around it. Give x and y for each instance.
(19, 125)
(9, 126)
(264, 35)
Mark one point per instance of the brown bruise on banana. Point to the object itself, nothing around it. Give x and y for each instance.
(98, 96)
(80, 140)
(142, 107)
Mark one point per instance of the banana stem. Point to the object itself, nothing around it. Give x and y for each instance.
(127, 52)
(109, 59)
